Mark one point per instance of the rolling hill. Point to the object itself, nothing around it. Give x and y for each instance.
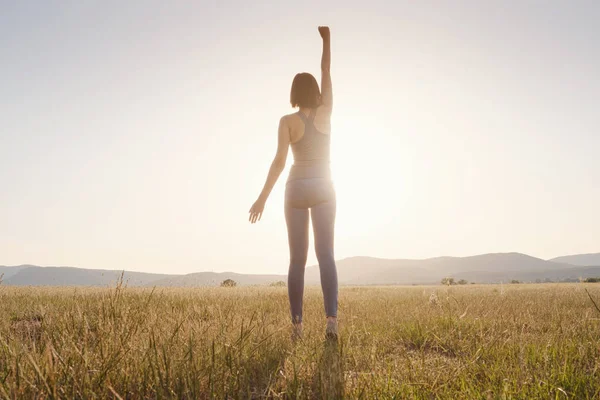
(68, 276)
(584, 260)
(494, 267)
(7, 272)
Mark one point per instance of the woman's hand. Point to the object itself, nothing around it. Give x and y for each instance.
(324, 32)
(256, 211)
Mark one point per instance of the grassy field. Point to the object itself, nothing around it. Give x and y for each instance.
(488, 341)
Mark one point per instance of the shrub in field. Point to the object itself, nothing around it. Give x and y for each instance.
(278, 284)
(448, 281)
(515, 281)
(463, 282)
(228, 283)
(592, 280)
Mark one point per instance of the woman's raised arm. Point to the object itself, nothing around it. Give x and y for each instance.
(326, 89)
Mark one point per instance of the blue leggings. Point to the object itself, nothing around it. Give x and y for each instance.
(318, 196)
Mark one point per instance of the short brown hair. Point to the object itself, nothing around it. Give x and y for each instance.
(305, 91)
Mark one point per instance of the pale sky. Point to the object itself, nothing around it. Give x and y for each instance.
(137, 134)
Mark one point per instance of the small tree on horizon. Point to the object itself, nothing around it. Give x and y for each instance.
(228, 283)
(448, 281)
(463, 282)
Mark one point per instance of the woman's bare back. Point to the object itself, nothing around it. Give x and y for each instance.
(296, 126)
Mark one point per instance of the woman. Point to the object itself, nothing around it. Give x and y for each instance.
(309, 187)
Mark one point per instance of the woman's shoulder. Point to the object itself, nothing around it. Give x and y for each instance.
(289, 116)
(290, 119)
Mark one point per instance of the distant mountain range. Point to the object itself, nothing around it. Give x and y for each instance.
(584, 260)
(485, 268)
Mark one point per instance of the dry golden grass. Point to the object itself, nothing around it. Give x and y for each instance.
(488, 341)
